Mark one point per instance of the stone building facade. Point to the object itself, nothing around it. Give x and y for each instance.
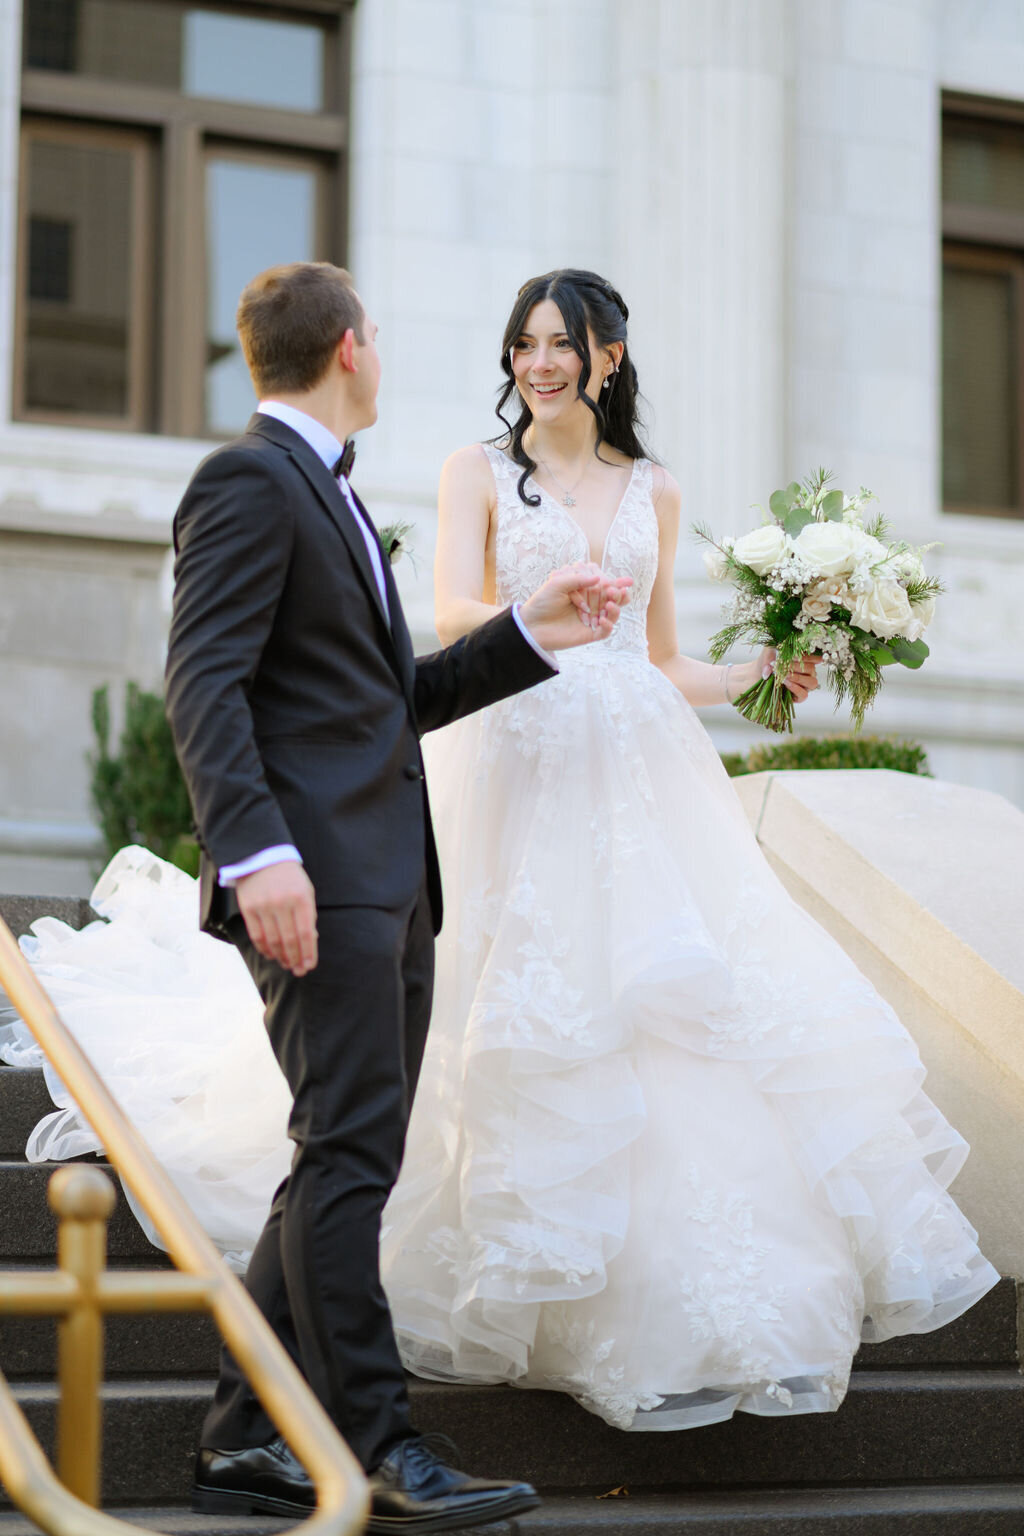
(800, 200)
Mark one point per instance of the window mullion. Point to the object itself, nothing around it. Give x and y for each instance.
(184, 280)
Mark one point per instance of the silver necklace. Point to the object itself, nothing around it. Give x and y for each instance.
(568, 499)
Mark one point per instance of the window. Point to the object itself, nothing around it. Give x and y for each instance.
(982, 311)
(169, 151)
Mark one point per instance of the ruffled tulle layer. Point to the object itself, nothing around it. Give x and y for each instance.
(670, 1151)
(171, 1020)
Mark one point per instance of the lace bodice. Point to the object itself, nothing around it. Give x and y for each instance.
(534, 541)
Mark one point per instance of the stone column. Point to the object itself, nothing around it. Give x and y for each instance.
(700, 207)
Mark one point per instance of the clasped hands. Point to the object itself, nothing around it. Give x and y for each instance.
(576, 605)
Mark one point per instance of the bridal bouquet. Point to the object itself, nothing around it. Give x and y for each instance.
(821, 577)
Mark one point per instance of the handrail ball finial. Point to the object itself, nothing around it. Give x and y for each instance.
(81, 1194)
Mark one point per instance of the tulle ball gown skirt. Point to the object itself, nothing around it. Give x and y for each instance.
(670, 1152)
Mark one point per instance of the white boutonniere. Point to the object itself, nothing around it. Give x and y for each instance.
(396, 541)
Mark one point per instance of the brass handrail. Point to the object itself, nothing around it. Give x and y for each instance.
(342, 1494)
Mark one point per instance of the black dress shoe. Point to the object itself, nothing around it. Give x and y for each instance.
(262, 1479)
(414, 1490)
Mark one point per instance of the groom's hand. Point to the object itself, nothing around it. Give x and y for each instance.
(575, 605)
(279, 907)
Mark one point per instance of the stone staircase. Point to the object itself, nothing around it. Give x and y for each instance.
(930, 1441)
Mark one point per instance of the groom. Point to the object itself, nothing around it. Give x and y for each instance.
(296, 706)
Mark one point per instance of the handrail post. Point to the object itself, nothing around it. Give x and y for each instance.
(83, 1201)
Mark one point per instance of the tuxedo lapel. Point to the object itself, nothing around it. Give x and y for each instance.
(399, 628)
(332, 498)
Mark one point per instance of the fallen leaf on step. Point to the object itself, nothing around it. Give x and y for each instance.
(615, 1493)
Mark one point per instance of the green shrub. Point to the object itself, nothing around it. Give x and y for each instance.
(139, 795)
(830, 752)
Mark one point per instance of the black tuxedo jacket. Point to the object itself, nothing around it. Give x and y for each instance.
(296, 707)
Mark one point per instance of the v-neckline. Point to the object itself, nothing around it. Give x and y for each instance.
(578, 525)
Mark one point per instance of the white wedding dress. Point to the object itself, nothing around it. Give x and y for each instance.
(669, 1152)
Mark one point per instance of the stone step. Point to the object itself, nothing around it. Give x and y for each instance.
(895, 1427)
(161, 1344)
(973, 1509)
(24, 1101)
(947, 1509)
(187, 1345)
(28, 1229)
(20, 912)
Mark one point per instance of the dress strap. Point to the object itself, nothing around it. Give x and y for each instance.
(502, 466)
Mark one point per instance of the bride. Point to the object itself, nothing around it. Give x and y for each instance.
(669, 1152)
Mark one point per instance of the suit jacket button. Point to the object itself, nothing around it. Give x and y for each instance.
(411, 772)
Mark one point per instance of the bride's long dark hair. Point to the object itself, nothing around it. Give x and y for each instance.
(585, 300)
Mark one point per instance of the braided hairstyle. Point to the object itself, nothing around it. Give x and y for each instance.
(585, 301)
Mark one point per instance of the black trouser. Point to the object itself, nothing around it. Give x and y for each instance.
(349, 1038)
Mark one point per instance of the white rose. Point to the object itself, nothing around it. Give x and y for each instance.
(823, 596)
(761, 548)
(830, 548)
(884, 610)
(715, 563)
(814, 609)
(867, 549)
(924, 611)
(921, 615)
(835, 589)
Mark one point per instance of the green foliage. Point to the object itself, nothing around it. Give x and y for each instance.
(138, 794)
(830, 752)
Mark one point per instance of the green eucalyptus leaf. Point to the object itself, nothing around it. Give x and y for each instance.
(779, 504)
(909, 653)
(794, 521)
(832, 506)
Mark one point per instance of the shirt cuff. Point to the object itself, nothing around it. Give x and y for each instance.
(541, 652)
(281, 853)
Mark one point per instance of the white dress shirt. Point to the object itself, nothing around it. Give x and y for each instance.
(326, 446)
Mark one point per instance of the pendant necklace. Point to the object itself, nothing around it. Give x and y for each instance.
(568, 499)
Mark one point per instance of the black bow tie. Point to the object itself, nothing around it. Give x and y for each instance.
(343, 466)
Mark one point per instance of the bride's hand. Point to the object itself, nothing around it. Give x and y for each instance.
(801, 679)
(576, 605)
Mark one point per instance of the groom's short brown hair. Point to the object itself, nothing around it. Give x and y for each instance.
(291, 319)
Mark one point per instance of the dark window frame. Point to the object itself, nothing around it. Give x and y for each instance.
(182, 132)
(139, 146)
(990, 239)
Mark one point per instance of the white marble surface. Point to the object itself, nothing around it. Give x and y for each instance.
(922, 883)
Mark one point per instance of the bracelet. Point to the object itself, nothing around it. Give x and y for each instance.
(725, 680)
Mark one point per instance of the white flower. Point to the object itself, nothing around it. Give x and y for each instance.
(814, 608)
(831, 548)
(884, 610)
(819, 600)
(396, 541)
(908, 563)
(924, 610)
(921, 615)
(715, 563)
(869, 550)
(761, 548)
